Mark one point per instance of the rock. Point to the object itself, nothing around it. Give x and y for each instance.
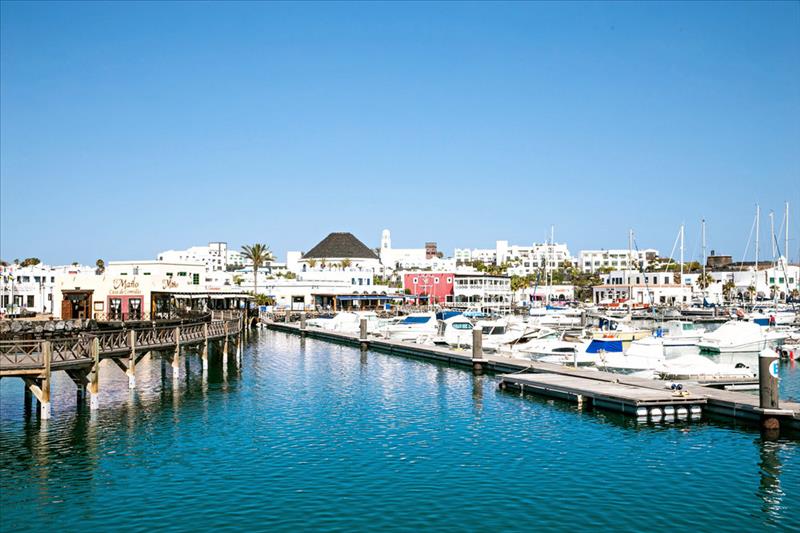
(38, 329)
(16, 326)
(60, 325)
(50, 326)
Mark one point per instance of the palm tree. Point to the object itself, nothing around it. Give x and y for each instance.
(345, 264)
(101, 266)
(751, 290)
(312, 263)
(258, 254)
(704, 280)
(727, 288)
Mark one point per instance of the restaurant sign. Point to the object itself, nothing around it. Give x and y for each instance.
(124, 286)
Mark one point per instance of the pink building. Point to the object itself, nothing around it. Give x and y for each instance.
(437, 285)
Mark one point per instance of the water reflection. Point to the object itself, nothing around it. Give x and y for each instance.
(769, 488)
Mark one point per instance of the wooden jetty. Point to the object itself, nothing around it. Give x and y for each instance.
(35, 360)
(605, 390)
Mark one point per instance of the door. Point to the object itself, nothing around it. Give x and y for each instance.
(66, 309)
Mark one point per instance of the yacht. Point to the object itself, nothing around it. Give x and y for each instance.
(347, 322)
(416, 327)
(739, 336)
(454, 332)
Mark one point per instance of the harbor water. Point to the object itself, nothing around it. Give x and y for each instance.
(309, 435)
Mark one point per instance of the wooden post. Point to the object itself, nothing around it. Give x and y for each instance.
(94, 375)
(477, 349)
(286, 317)
(768, 387)
(303, 320)
(131, 371)
(362, 333)
(205, 347)
(225, 344)
(44, 401)
(176, 369)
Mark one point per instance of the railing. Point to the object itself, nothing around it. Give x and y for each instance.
(113, 341)
(21, 355)
(72, 350)
(28, 354)
(192, 333)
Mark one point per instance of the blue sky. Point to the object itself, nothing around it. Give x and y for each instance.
(127, 129)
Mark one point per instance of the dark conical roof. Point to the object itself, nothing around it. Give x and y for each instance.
(340, 246)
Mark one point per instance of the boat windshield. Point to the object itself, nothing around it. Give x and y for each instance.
(493, 330)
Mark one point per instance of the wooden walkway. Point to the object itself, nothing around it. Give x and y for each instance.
(35, 360)
(602, 389)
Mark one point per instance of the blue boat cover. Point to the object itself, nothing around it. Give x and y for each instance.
(607, 346)
(415, 319)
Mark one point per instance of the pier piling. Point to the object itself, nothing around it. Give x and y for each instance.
(131, 370)
(94, 376)
(303, 320)
(768, 388)
(204, 353)
(477, 350)
(362, 333)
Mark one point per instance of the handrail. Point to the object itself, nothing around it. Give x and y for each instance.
(27, 354)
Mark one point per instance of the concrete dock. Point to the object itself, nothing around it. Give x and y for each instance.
(631, 395)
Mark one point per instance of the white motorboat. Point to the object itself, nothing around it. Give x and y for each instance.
(454, 332)
(643, 354)
(502, 331)
(347, 322)
(740, 336)
(416, 327)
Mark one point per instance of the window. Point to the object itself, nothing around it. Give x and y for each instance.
(449, 280)
(30, 301)
(182, 273)
(436, 280)
(415, 280)
(771, 281)
(196, 279)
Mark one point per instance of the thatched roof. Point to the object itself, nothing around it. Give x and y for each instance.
(340, 246)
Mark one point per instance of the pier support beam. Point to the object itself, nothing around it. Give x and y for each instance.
(176, 369)
(302, 324)
(477, 350)
(131, 371)
(94, 376)
(204, 354)
(225, 345)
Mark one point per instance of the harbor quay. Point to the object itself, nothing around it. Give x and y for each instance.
(645, 399)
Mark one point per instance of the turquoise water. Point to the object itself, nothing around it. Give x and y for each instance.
(309, 435)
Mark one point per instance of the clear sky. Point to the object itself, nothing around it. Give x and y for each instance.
(130, 128)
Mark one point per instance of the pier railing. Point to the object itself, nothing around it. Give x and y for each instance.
(28, 355)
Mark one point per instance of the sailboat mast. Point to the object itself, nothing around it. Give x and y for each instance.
(758, 216)
(772, 235)
(786, 236)
(681, 281)
(703, 222)
(630, 267)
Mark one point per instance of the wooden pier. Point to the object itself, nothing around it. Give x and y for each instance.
(634, 396)
(35, 360)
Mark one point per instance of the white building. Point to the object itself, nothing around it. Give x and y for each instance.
(523, 259)
(526, 260)
(528, 296)
(216, 256)
(594, 260)
(652, 288)
(30, 289)
(491, 294)
(142, 290)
